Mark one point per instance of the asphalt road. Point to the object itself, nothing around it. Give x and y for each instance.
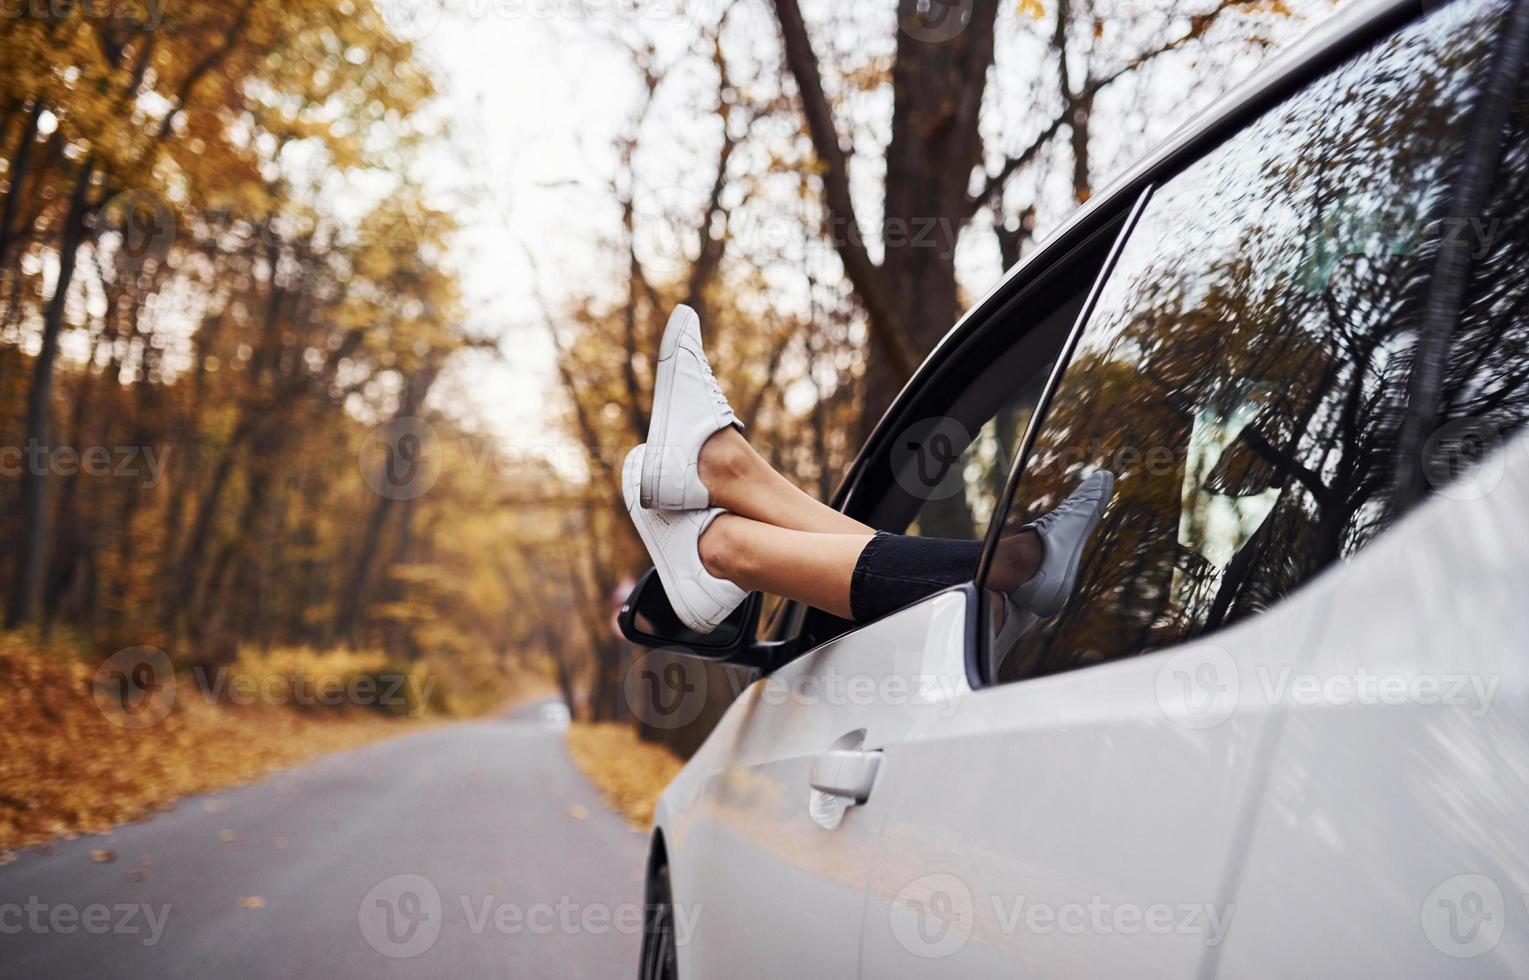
(471, 850)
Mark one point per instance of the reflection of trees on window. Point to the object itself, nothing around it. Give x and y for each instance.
(1486, 391)
(1245, 371)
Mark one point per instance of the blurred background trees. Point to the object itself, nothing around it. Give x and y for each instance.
(218, 273)
(224, 266)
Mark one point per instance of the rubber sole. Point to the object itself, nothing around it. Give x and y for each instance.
(660, 563)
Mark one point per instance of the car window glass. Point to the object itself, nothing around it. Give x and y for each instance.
(949, 466)
(962, 486)
(1485, 396)
(1243, 376)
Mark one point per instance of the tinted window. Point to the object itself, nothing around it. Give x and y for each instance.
(1485, 396)
(1244, 373)
(961, 487)
(942, 473)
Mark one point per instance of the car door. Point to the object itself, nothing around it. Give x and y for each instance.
(1243, 375)
(1397, 781)
(773, 857)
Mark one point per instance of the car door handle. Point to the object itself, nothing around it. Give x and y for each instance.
(847, 773)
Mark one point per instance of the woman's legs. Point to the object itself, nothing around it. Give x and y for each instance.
(814, 567)
(780, 540)
(743, 482)
(775, 538)
(1016, 560)
(819, 568)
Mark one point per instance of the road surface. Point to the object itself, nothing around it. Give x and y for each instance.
(469, 850)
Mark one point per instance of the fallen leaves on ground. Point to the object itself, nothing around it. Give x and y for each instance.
(629, 772)
(66, 769)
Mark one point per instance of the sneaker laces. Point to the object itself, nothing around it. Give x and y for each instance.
(715, 390)
(1072, 503)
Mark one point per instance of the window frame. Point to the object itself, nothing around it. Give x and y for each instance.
(976, 667)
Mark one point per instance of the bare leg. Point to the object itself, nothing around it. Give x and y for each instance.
(780, 540)
(741, 481)
(805, 566)
(817, 568)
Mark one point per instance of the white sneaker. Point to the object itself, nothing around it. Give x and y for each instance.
(687, 408)
(1063, 533)
(673, 539)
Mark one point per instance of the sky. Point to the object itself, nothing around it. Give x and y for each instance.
(535, 97)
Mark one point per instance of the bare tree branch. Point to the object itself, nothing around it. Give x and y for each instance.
(1199, 26)
(844, 228)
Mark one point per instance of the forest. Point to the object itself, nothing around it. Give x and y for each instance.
(231, 315)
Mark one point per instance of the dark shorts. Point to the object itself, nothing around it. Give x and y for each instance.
(895, 570)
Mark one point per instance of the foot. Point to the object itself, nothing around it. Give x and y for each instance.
(1016, 560)
(687, 408)
(1063, 533)
(1017, 621)
(700, 599)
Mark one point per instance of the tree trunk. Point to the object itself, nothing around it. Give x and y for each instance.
(353, 598)
(31, 564)
(938, 81)
(181, 597)
(937, 90)
(1082, 174)
(71, 541)
(16, 176)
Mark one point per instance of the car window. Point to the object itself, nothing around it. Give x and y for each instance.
(1243, 376)
(941, 466)
(1484, 399)
(948, 474)
(956, 466)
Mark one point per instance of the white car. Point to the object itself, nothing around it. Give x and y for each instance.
(1282, 727)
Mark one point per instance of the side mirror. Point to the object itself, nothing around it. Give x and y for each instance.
(648, 620)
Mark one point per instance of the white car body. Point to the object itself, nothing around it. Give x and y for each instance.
(1337, 785)
(1356, 773)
